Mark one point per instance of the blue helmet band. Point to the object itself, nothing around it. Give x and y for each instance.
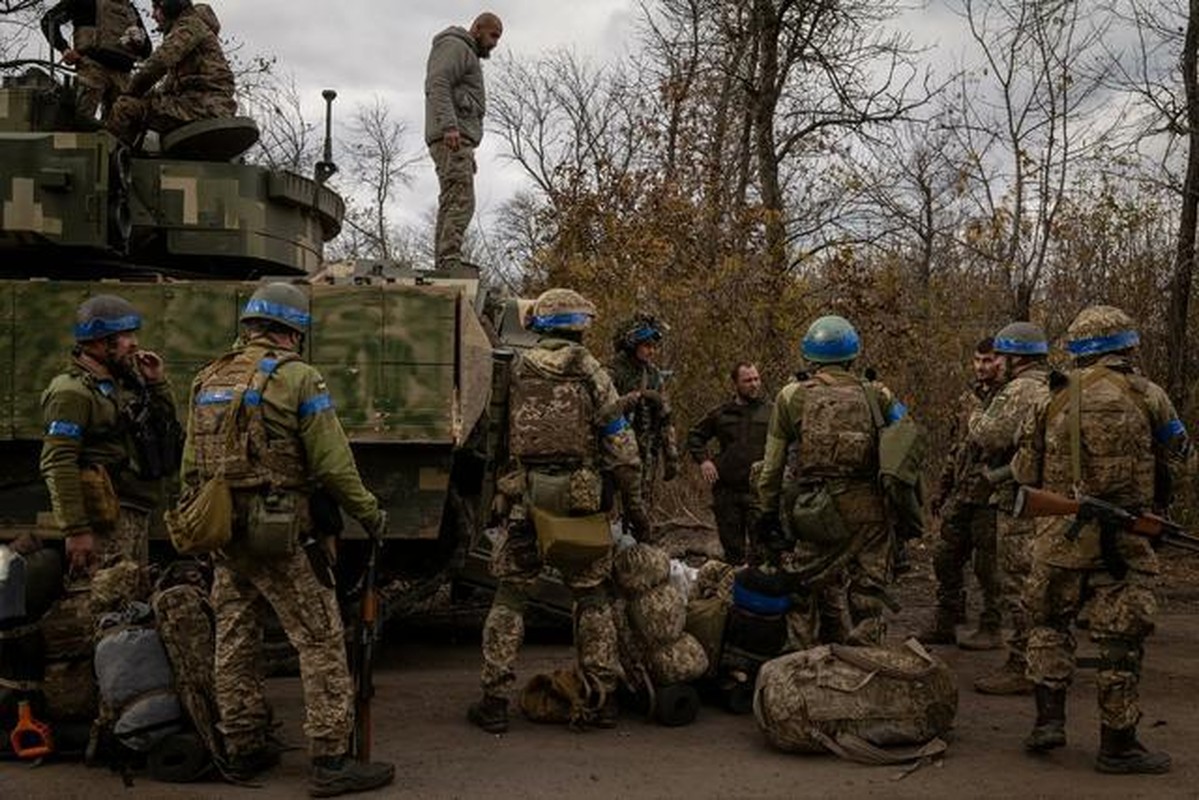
(100, 327)
(551, 321)
(644, 334)
(1103, 344)
(845, 346)
(1016, 347)
(265, 308)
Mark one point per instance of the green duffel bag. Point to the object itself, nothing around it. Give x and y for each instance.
(571, 544)
(815, 518)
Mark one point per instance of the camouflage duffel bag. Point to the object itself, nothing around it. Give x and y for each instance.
(639, 568)
(682, 661)
(857, 702)
(659, 615)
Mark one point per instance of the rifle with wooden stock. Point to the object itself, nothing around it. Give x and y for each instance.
(1032, 503)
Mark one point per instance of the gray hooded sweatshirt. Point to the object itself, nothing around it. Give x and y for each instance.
(454, 94)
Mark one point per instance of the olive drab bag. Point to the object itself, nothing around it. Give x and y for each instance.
(902, 448)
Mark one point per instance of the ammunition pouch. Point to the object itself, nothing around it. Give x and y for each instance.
(202, 522)
(1119, 655)
(571, 544)
(100, 501)
(577, 492)
(815, 518)
(275, 522)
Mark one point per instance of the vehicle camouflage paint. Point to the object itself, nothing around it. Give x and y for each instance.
(183, 234)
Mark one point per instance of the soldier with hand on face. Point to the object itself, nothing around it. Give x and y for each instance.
(101, 465)
(264, 420)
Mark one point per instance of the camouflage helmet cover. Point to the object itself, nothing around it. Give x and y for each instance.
(639, 328)
(1021, 339)
(1101, 329)
(830, 340)
(562, 310)
(105, 315)
(283, 303)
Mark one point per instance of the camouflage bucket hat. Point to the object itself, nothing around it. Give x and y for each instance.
(562, 310)
(1021, 339)
(105, 315)
(1101, 329)
(830, 340)
(283, 303)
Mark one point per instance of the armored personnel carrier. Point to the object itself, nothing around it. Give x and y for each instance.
(184, 231)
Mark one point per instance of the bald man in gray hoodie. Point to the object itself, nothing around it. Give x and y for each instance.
(455, 100)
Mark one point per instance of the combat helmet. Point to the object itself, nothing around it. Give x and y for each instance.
(562, 310)
(831, 340)
(283, 303)
(105, 315)
(639, 328)
(1021, 339)
(1101, 329)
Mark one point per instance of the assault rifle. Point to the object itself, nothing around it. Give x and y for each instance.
(1032, 502)
(366, 633)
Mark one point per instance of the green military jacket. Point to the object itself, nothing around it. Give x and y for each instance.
(297, 409)
(962, 478)
(83, 411)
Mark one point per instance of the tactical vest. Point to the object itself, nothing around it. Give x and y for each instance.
(550, 416)
(241, 449)
(838, 435)
(113, 18)
(1115, 431)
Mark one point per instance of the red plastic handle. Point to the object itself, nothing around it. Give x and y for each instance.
(30, 738)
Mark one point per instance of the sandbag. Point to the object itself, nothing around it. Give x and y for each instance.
(682, 661)
(853, 701)
(659, 615)
(69, 689)
(715, 579)
(639, 568)
(115, 587)
(134, 674)
(67, 627)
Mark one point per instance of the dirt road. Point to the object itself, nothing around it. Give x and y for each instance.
(424, 687)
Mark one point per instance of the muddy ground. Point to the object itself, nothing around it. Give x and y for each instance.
(428, 675)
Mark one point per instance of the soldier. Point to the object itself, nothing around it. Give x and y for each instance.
(822, 504)
(455, 101)
(642, 388)
(1023, 350)
(739, 426)
(1111, 434)
(107, 37)
(110, 436)
(564, 420)
(263, 419)
(967, 521)
(196, 82)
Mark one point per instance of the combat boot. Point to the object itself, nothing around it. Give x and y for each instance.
(246, 767)
(987, 637)
(1008, 679)
(490, 714)
(1120, 753)
(335, 775)
(942, 629)
(1050, 731)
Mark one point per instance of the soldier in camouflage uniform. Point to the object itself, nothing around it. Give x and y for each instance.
(565, 422)
(823, 512)
(1111, 434)
(108, 36)
(642, 388)
(89, 413)
(455, 101)
(967, 521)
(994, 434)
(196, 81)
(264, 420)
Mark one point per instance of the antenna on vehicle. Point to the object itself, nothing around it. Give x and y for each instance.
(325, 168)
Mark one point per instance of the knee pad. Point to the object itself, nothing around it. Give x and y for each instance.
(1120, 655)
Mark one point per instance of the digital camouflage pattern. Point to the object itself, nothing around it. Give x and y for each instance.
(455, 200)
(183, 617)
(652, 423)
(109, 45)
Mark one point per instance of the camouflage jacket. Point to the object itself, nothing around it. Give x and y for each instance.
(1132, 447)
(296, 406)
(652, 425)
(100, 30)
(740, 430)
(962, 477)
(785, 441)
(85, 415)
(455, 96)
(995, 433)
(190, 60)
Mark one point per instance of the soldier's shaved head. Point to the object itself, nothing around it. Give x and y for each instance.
(486, 30)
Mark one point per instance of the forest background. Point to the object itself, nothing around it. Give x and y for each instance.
(744, 166)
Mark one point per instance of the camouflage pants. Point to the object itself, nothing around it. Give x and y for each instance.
(736, 513)
(133, 116)
(1014, 546)
(516, 563)
(128, 541)
(1121, 617)
(967, 530)
(97, 88)
(456, 201)
(310, 617)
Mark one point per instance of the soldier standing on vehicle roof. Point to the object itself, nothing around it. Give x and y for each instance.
(196, 81)
(565, 428)
(455, 101)
(994, 434)
(1111, 434)
(642, 388)
(284, 442)
(107, 37)
(110, 435)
